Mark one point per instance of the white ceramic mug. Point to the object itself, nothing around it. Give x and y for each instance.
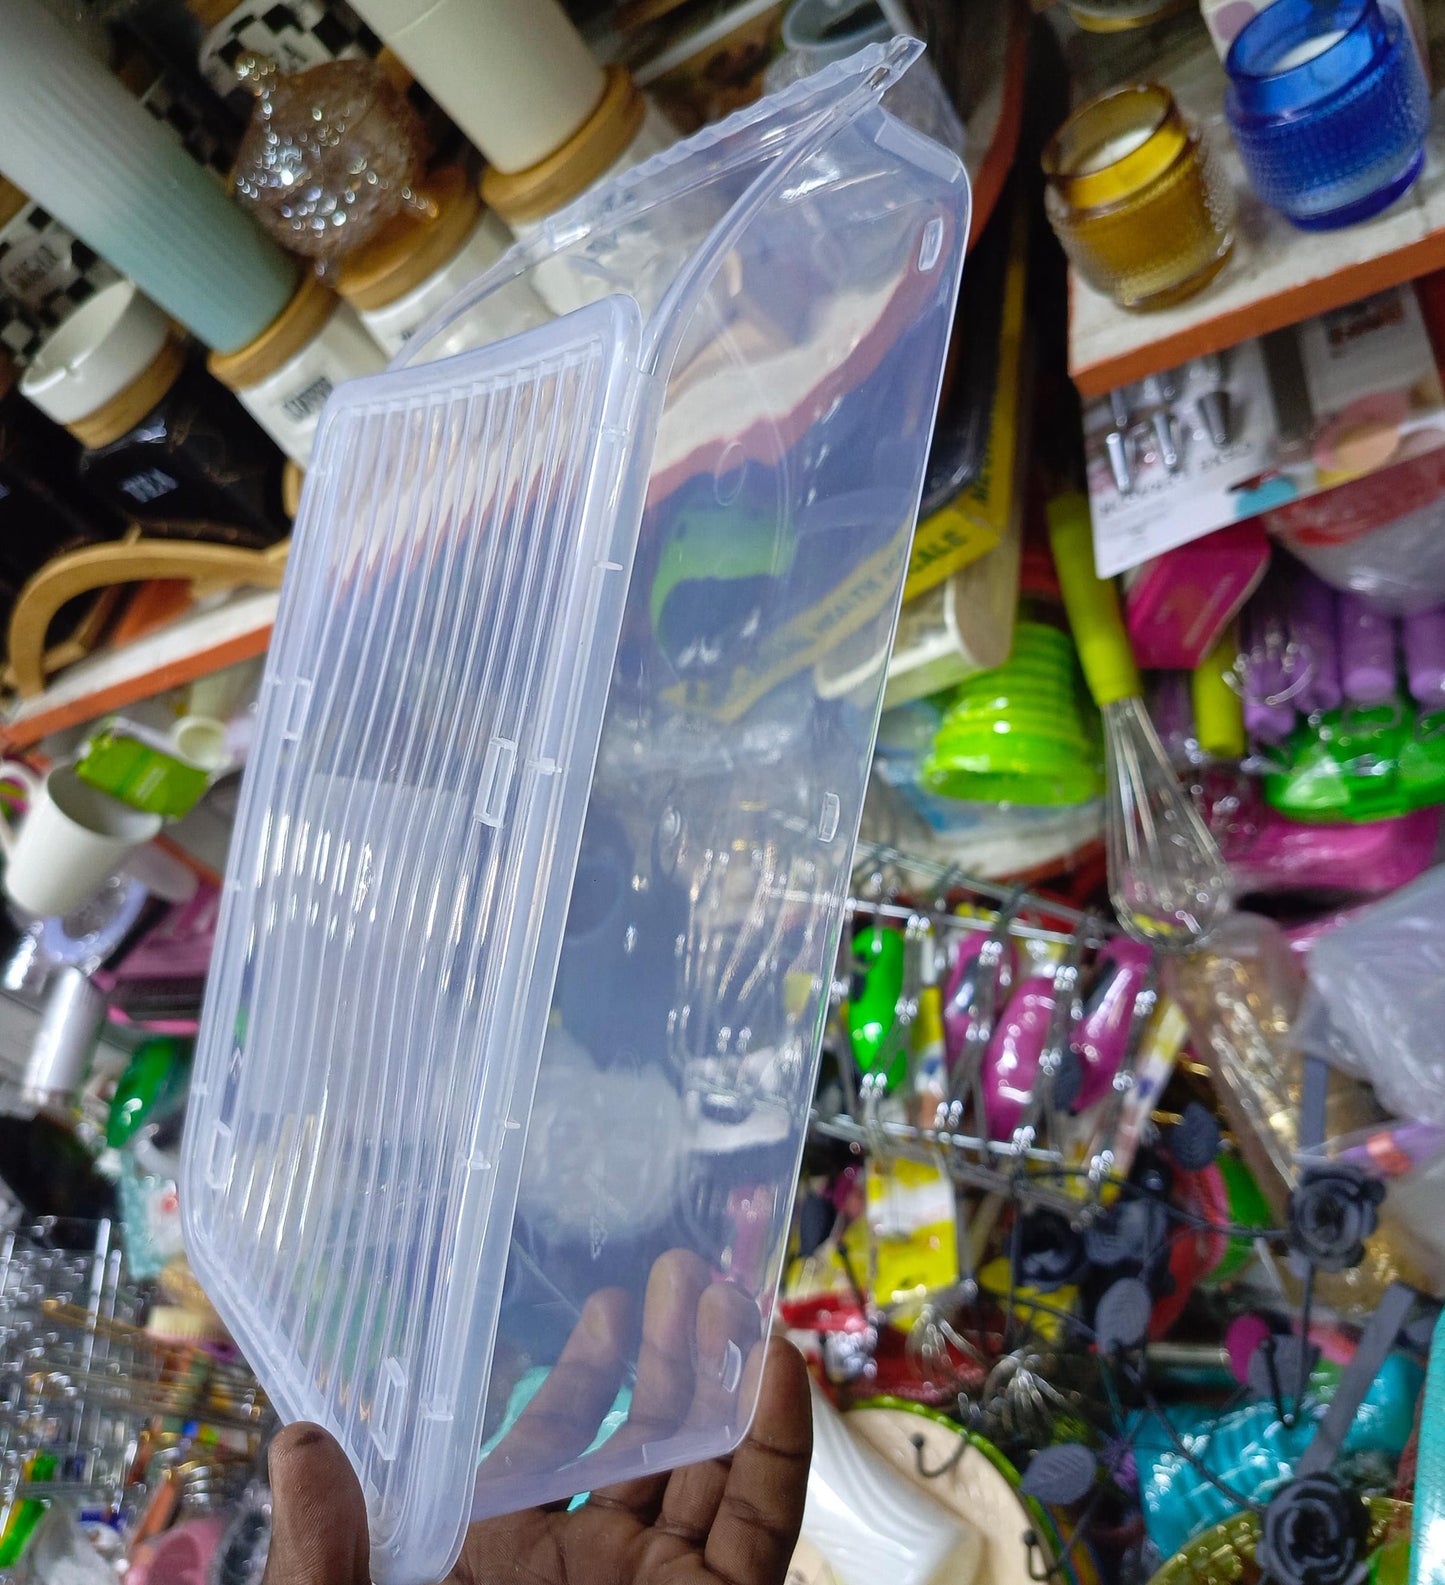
(71, 837)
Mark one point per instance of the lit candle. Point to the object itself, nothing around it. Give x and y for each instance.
(1114, 150)
(1138, 202)
(1307, 50)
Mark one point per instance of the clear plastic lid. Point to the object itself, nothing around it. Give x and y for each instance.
(540, 865)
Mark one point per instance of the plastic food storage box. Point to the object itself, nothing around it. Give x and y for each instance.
(542, 854)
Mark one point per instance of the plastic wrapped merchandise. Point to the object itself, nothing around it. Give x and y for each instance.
(1376, 999)
(1400, 567)
(1242, 994)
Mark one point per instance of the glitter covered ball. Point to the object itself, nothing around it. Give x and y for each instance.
(331, 154)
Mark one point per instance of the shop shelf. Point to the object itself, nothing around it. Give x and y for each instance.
(1278, 276)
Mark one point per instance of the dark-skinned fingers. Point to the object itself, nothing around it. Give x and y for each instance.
(514, 1547)
(761, 1512)
(696, 1337)
(318, 1519)
(664, 1389)
(675, 1287)
(605, 1544)
(745, 1527)
(691, 1501)
(567, 1409)
(638, 1500)
(727, 1332)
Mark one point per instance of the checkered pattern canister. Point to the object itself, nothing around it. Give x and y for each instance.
(46, 271)
(293, 33)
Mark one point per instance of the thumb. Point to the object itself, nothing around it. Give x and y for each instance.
(318, 1515)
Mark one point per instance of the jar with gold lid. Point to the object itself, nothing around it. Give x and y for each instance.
(162, 442)
(397, 281)
(283, 376)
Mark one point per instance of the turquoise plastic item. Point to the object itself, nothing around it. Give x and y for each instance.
(1427, 1550)
(1253, 1451)
(79, 143)
(527, 1388)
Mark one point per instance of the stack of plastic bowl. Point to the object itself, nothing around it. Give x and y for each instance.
(1024, 733)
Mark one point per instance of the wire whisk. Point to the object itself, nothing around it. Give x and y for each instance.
(1167, 878)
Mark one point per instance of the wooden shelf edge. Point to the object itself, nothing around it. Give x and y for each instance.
(30, 729)
(998, 161)
(197, 867)
(1259, 317)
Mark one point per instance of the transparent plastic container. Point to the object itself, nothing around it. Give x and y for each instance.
(540, 865)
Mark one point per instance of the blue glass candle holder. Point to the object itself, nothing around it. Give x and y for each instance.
(1329, 108)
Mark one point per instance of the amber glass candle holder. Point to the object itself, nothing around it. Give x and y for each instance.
(1137, 198)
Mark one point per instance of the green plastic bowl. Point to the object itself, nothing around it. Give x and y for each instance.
(1018, 769)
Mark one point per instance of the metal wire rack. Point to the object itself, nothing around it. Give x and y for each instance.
(1045, 1159)
(1030, 1366)
(80, 1442)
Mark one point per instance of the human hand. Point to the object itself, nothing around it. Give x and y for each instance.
(731, 1520)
